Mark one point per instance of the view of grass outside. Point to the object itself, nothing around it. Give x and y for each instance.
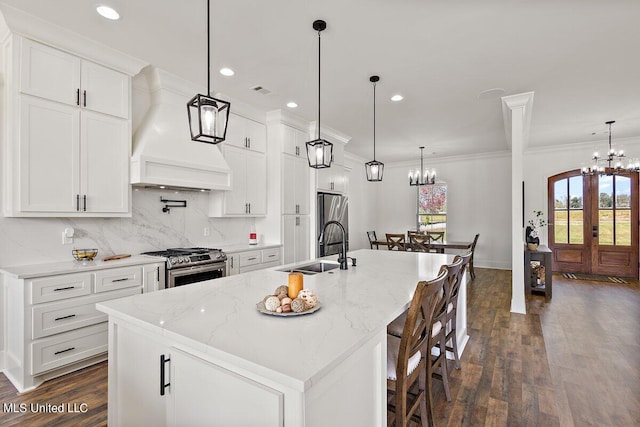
(614, 213)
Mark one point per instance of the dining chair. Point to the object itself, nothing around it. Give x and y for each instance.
(436, 236)
(396, 241)
(408, 355)
(452, 306)
(419, 242)
(372, 239)
(472, 273)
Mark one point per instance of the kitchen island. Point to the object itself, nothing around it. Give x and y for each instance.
(203, 355)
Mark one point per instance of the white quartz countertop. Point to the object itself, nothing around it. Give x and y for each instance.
(230, 249)
(63, 267)
(219, 317)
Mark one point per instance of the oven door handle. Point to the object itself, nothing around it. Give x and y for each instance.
(197, 269)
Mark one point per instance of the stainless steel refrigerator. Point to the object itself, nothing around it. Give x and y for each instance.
(336, 208)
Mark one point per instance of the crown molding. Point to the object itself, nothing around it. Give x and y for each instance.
(510, 103)
(26, 25)
(289, 119)
(330, 133)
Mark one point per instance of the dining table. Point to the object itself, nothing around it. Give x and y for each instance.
(439, 247)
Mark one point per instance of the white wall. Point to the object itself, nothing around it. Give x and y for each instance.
(541, 164)
(478, 201)
(363, 203)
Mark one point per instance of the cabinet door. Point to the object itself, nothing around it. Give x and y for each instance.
(324, 179)
(256, 183)
(289, 238)
(49, 73)
(105, 163)
(295, 185)
(233, 264)
(134, 379)
(104, 90)
(235, 200)
(202, 392)
(152, 277)
(256, 134)
(235, 132)
(302, 238)
(49, 156)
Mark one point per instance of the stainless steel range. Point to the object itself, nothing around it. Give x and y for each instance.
(190, 265)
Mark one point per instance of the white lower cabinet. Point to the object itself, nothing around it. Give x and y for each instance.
(53, 326)
(295, 231)
(242, 262)
(154, 383)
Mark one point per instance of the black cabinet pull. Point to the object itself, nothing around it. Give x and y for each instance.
(252, 259)
(163, 361)
(64, 289)
(78, 96)
(64, 317)
(84, 98)
(84, 203)
(77, 202)
(124, 279)
(64, 351)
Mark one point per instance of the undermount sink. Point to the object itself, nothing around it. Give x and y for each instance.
(312, 268)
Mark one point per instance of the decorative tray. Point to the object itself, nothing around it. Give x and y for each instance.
(261, 309)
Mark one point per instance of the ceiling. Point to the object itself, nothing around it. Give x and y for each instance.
(580, 57)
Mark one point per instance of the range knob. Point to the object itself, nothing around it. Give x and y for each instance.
(184, 260)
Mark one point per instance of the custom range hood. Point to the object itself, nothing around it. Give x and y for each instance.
(164, 156)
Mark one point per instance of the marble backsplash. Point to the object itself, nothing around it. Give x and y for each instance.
(39, 240)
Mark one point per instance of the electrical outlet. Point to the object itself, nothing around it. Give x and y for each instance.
(66, 240)
(206, 232)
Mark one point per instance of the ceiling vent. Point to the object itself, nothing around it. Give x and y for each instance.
(261, 90)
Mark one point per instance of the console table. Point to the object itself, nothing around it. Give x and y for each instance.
(543, 256)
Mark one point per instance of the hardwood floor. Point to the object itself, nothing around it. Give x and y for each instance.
(571, 361)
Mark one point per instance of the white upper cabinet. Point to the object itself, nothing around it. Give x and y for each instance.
(294, 141)
(68, 138)
(246, 133)
(247, 196)
(295, 185)
(58, 76)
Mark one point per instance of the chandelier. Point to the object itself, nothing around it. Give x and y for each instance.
(613, 160)
(374, 168)
(208, 116)
(422, 176)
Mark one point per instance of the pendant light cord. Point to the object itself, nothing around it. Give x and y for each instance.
(374, 121)
(319, 68)
(208, 51)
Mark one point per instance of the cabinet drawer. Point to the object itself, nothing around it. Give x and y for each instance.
(250, 258)
(55, 288)
(118, 278)
(270, 255)
(69, 347)
(56, 317)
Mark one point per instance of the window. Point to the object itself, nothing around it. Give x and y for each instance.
(568, 211)
(432, 207)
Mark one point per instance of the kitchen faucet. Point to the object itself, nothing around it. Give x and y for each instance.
(343, 251)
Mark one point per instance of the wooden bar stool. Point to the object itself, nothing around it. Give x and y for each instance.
(408, 369)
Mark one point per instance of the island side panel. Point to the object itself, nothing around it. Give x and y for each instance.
(355, 392)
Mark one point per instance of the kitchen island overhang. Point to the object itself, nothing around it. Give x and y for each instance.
(326, 366)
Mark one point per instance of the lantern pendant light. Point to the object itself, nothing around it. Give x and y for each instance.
(319, 151)
(208, 116)
(422, 176)
(374, 168)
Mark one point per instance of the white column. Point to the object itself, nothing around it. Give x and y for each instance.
(517, 117)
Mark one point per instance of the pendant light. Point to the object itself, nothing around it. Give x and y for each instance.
(374, 168)
(612, 156)
(319, 151)
(208, 116)
(422, 176)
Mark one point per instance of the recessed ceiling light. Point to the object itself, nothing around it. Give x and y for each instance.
(292, 104)
(227, 72)
(108, 12)
(494, 93)
(397, 98)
